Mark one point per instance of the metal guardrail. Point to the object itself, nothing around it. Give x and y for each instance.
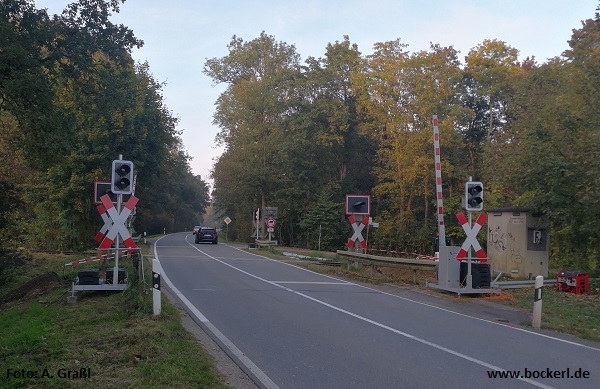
(425, 264)
(265, 243)
(406, 263)
(519, 284)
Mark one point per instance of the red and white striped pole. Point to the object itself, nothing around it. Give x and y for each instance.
(438, 183)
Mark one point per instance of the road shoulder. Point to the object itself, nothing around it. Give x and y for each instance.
(232, 374)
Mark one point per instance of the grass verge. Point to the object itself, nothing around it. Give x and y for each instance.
(106, 339)
(575, 314)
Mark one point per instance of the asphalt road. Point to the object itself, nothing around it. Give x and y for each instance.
(291, 328)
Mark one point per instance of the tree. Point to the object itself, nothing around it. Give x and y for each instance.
(334, 116)
(71, 100)
(403, 92)
(491, 70)
(321, 223)
(554, 151)
(252, 113)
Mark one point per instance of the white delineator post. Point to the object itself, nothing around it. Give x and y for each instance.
(536, 322)
(156, 271)
(257, 222)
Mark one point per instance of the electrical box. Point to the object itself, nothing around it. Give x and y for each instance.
(572, 282)
(110, 278)
(518, 242)
(88, 277)
(481, 275)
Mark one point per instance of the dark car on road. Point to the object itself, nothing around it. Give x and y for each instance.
(207, 234)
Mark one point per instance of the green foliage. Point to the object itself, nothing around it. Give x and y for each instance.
(42, 330)
(321, 222)
(10, 264)
(554, 156)
(10, 202)
(253, 115)
(296, 136)
(578, 315)
(403, 233)
(71, 101)
(288, 131)
(22, 330)
(363, 125)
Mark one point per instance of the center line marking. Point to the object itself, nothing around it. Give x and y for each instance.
(312, 282)
(381, 325)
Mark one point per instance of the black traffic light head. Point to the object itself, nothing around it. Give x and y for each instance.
(122, 177)
(474, 196)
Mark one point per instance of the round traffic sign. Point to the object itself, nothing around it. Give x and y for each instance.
(270, 222)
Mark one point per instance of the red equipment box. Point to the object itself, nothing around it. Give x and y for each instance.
(572, 282)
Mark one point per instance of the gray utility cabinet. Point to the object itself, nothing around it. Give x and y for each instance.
(518, 242)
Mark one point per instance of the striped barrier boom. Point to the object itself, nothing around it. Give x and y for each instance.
(415, 264)
(86, 260)
(399, 253)
(103, 257)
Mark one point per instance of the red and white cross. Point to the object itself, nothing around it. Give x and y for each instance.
(118, 222)
(357, 227)
(471, 240)
(107, 223)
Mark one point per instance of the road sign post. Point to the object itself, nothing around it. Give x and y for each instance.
(118, 219)
(270, 222)
(357, 227)
(358, 205)
(227, 221)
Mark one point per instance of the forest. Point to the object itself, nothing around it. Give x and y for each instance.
(297, 135)
(72, 100)
(300, 135)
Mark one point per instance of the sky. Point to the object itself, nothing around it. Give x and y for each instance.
(180, 35)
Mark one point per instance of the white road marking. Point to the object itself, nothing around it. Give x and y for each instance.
(440, 308)
(243, 259)
(249, 363)
(311, 282)
(380, 325)
(256, 371)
